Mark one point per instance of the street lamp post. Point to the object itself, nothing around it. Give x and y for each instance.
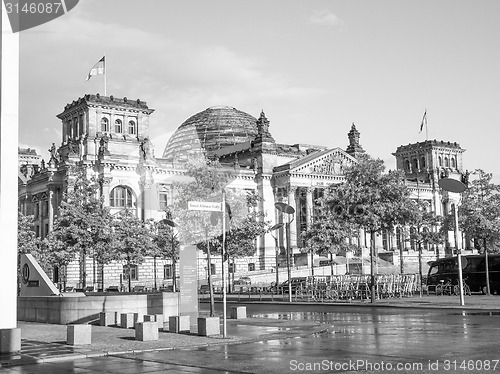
(274, 228)
(289, 210)
(172, 224)
(453, 185)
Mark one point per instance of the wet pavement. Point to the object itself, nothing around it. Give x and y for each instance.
(283, 338)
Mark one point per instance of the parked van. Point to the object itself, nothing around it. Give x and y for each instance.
(473, 272)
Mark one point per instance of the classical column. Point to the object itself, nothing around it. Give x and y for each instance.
(51, 209)
(10, 335)
(105, 182)
(309, 207)
(295, 224)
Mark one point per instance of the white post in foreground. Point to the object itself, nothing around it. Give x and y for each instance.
(10, 335)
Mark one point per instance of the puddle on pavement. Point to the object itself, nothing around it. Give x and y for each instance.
(476, 314)
(249, 331)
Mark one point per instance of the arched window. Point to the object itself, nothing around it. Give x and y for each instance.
(422, 162)
(440, 161)
(453, 163)
(75, 127)
(121, 197)
(131, 128)
(407, 165)
(425, 231)
(118, 126)
(446, 162)
(104, 125)
(415, 164)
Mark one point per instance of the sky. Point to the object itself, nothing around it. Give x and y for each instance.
(314, 67)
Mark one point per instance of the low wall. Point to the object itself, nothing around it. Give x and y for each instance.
(80, 309)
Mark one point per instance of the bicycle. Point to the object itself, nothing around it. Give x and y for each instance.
(445, 288)
(456, 288)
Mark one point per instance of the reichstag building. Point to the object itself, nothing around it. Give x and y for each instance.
(110, 136)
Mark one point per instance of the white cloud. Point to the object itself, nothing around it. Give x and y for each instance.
(325, 17)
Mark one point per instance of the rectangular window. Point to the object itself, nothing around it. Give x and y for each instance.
(385, 240)
(132, 270)
(45, 208)
(231, 268)
(251, 267)
(212, 269)
(119, 197)
(167, 271)
(163, 201)
(37, 231)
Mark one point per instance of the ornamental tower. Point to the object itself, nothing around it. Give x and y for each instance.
(95, 124)
(354, 148)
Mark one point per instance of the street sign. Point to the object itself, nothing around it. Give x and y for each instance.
(205, 205)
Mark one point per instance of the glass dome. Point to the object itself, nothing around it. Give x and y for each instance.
(209, 130)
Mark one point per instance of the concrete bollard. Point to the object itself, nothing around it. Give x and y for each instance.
(146, 331)
(238, 312)
(107, 318)
(138, 317)
(127, 320)
(166, 325)
(159, 321)
(208, 326)
(78, 334)
(179, 324)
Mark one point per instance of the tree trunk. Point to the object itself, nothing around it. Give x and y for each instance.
(102, 277)
(84, 269)
(487, 268)
(420, 265)
(174, 261)
(372, 266)
(154, 272)
(401, 260)
(174, 275)
(128, 276)
(209, 269)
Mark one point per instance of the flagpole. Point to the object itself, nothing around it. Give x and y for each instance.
(105, 63)
(426, 129)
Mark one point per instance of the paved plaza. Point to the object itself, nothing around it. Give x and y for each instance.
(276, 331)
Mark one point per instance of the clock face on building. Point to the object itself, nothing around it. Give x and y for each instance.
(26, 273)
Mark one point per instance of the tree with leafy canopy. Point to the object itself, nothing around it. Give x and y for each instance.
(371, 199)
(479, 215)
(328, 235)
(164, 244)
(132, 240)
(27, 241)
(206, 181)
(479, 212)
(57, 253)
(245, 225)
(424, 229)
(82, 223)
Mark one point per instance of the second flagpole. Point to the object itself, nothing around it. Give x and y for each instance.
(105, 78)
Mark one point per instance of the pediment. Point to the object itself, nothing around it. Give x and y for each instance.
(327, 162)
